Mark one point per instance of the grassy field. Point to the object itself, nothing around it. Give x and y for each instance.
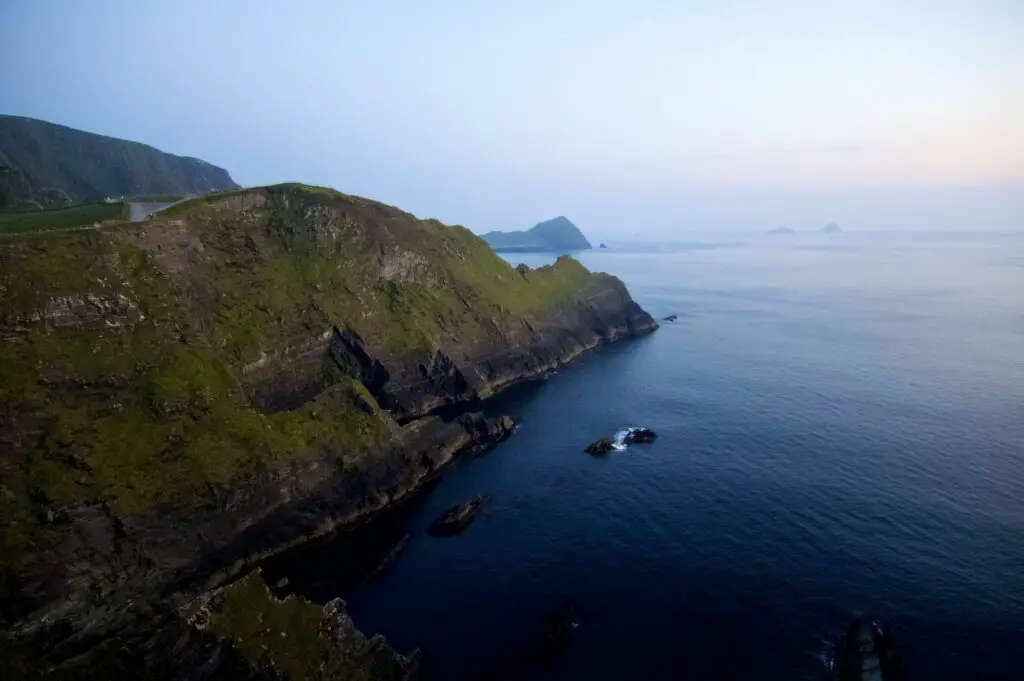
(59, 218)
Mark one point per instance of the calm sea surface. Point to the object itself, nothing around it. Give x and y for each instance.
(841, 423)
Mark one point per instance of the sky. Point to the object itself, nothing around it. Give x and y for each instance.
(636, 116)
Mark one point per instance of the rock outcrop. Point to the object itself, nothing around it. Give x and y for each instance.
(187, 396)
(602, 446)
(457, 519)
(866, 652)
(640, 436)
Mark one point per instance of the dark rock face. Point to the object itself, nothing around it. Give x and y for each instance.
(457, 519)
(640, 436)
(865, 652)
(602, 446)
(414, 387)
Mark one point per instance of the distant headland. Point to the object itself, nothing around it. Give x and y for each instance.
(555, 235)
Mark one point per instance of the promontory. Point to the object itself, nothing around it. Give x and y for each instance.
(185, 396)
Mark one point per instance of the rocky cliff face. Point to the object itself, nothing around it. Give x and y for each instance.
(240, 375)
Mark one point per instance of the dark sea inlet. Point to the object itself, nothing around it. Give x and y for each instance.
(841, 423)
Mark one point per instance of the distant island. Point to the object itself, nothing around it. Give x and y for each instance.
(780, 230)
(555, 235)
(831, 228)
(602, 245)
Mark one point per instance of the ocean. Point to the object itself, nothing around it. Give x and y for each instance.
(841, 432)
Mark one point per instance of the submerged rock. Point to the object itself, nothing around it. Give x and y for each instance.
(867, 652)
(456, 519)
(558, 628)
(389, 557)
(602, 446)
(640, 436)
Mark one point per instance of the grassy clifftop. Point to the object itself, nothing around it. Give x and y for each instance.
(129, 352)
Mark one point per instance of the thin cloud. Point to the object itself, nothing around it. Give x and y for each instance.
(844, 149)
(719, 157)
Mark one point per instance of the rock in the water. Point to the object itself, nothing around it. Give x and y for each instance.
(389, 557)
(456, 519)
(602, 245)
(865, 652)
(602, 446)
(558, 628)
(671, 318)
(640, 436)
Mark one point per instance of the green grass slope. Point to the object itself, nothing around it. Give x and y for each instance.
(44, 164)
(60, 219)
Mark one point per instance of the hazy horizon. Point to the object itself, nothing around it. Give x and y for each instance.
(639, 117)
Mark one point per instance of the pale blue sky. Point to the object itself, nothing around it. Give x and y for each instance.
(632, 116)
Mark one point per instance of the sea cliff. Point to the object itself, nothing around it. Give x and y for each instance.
(184, 397)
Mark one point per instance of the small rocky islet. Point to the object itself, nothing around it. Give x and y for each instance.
(457, 519)
(630, 437)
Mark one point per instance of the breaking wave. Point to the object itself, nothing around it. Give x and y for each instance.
(619, 441)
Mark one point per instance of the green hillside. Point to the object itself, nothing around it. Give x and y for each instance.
(46, 165)
(59, 219)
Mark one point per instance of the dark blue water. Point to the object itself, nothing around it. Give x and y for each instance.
(841, 424)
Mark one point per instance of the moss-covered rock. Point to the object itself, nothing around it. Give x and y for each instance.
(301, 640)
